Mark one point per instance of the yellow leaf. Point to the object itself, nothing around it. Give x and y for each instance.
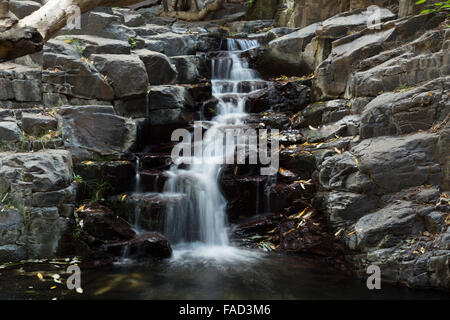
(351, 233)
(40, 276)
(68, 41)
(426, 233)
(339, 232)
(52, 288)
(123, 197)
(422, 250)
(80, 209)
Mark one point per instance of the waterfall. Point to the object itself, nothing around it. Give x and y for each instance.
(202, 217)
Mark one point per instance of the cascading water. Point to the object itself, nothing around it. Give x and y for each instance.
(202, 216)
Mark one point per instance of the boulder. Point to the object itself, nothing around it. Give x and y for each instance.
(91, 131)
(169, 97)
(77, 79)
(36, 172)
(38, 124)
(191, 69)
(150, 245)
(159, 68)
(87, 45)
(411, 161)
(387, 226)
(9, 132)
(378, 55)
(409, 110)
(23, 8)
(103, 224)
(127, 74)
(172, 44)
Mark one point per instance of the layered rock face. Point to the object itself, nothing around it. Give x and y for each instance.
(376, 136)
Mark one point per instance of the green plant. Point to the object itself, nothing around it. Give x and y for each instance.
(250, 3)
(443, 6)
(133, 43)
(77, 178)
(99, 188)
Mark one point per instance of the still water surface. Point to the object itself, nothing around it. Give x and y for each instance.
(203, 272)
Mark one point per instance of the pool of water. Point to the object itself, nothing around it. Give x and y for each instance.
(199, 272)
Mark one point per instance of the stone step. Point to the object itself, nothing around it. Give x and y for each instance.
(147, 208)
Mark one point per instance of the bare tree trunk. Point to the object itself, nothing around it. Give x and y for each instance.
(197, 15)
(28, 35)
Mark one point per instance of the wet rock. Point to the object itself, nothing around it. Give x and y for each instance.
(103, 224)
(95, 130)
(127, 73)
(118, 177)
(36, 124)
(279, 96)
(130, 17)
(249, 26)
(9, 132)
(151, 30)
(159, 68)
(11, 230)
(386, 227)
(45, 231)
(397, 113)
(150, 245)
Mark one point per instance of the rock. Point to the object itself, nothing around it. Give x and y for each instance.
(37, 172)
(288, 49)
(86, 45)
(172, 44)
(6, 90)
(134, 107)
(45, 231)
(191, 69)
(411, 161)
(127, 73)
(370, 52)
(387, 226)
(37, 124)
(421, 60)
(346, 207)
(9, 132)
(434, 222)
(150, 245)
(27, 90)
(130, 18)
(11, 227)
(164, 117)
(103, 224)
(288, 96)
(249, 26)
(91, 131)
(168, 97)
(321, 112)
(151, 30)
(443, 155)
(80, 79)
(262, 10)
(23, 8)
(439, 267)
(397, 113)
(118, 175)
(104, 23)
(159, 68)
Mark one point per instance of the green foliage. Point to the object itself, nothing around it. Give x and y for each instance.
(77, 178)
(76, 44)
(443, 6)
(250, 3)
(133, 43)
